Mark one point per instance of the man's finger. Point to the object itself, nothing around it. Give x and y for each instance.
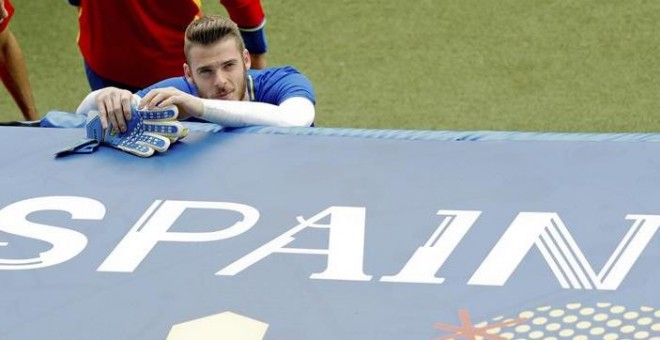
(118, 114)
(158, 99)
(146, 100)
(112, 119)
(103, 114)
(126, 107)
(168, 101)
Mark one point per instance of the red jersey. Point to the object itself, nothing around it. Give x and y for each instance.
(139, 48)
(140, 42)
(10, 11)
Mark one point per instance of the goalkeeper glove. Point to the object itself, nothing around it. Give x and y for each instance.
(147, 131)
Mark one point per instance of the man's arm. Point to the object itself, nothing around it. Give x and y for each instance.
(294, 111)
(13, 72)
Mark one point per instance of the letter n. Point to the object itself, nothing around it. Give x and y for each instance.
(548, 233)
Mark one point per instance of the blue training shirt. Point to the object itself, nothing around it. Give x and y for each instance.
(271, 85)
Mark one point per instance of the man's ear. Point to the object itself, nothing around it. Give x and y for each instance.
(246, 59)
(188, 73)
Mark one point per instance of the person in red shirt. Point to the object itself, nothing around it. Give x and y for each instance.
(13, 70)
(131, 44)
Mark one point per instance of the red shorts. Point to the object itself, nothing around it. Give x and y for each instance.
(10, 9)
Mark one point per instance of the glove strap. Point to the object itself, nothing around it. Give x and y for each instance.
(84, 145)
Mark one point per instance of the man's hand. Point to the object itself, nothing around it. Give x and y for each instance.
(114, 107)
(159, 98)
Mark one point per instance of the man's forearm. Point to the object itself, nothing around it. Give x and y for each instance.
(292, 112)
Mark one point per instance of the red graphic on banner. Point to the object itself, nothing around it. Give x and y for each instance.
(469, 331)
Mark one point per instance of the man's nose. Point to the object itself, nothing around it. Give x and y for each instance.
(220, 79)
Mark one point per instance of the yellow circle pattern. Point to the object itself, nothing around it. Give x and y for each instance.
(579, 321)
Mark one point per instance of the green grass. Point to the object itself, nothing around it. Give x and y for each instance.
(588, 66)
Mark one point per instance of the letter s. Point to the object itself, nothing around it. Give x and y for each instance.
(66, 243)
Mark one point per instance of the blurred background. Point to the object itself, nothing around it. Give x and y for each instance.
(510, 65)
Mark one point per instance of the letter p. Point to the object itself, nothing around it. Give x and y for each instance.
(154, 225)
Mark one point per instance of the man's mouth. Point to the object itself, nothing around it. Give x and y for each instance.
(223, 95)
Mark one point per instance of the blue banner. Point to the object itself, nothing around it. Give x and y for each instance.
(248, 236)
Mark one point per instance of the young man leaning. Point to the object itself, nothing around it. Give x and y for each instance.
(218, 86)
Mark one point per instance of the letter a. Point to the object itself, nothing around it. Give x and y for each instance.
(345, 247)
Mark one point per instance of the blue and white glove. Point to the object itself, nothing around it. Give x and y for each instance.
(147, 131)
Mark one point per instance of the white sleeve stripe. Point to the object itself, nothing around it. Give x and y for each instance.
(253, 29)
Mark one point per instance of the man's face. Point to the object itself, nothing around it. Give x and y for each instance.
(218, 70)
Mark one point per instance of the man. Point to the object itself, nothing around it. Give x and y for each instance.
(132, 44)
(12, 65)
(218, 86)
